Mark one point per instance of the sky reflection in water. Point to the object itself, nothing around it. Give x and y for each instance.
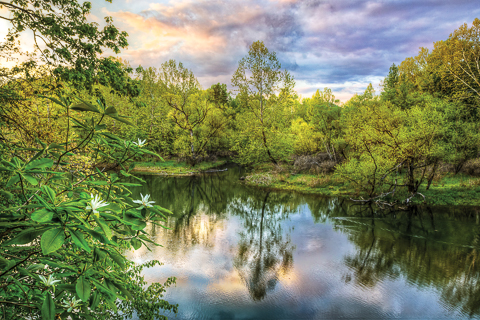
(245, 253)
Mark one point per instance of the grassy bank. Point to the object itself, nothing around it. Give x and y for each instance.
(450, 189)
(173, 167)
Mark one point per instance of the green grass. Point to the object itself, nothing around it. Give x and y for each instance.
(454, 190)
(172, 167)
(326, 185)
(451, 189)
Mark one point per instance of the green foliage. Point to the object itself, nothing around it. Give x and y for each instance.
(73, 46)
(72, 227)
(265, 94)
(385, 139)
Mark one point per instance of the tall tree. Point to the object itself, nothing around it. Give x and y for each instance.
(460, 56)
(263, 89)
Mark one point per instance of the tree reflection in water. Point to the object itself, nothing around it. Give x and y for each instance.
(411, 244)
(263, 253)
(431, 249)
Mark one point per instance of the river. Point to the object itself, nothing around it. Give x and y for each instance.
(240, 252)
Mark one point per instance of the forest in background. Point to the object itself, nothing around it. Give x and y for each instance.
(421, 125)
(73, 122)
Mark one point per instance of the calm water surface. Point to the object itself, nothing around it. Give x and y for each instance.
(247, 253)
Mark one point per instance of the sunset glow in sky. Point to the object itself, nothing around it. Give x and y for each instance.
(341, 44)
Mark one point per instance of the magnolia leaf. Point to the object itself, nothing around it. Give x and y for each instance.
(52, 240)
(100, 237)
(136, 243)
(79, 240)
(83, 289)
(122, 119)
(30, 179)
(95, 300)
(39, 164)
(106, 229)
(27, 236)
(124, 291)
(111, 111)
(42, 215)
(118, 258)
(49, 191)
(85, 107)
(48, 308)
(13, 180)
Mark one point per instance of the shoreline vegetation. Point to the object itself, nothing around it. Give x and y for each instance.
(174, 167)
(446, 189)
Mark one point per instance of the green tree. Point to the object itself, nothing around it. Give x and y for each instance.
(66, 43)
(325, 116)
(385, 140)
(266, 94)
(189, 104)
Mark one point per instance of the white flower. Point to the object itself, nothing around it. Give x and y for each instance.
(144, 202)
(140, 143)
(73, 304)
(96, 203)
(48, 282)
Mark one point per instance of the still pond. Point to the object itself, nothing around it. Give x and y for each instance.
(243, 253)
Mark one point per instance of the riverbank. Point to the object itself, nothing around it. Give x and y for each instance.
(460, 189)
(174, 167)
(450, 189)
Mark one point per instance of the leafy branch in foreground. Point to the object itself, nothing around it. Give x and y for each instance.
(63, 231)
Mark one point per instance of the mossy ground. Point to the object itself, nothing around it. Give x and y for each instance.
(449, 189)
(174, 167)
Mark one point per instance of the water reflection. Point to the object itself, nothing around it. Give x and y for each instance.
(246, 253)
(429, 250)
(263, 253)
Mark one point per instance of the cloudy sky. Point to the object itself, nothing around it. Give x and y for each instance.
(340, 44)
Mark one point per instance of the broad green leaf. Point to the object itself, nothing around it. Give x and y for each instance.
(66, 287)
(30, 179)
(94, 300)
(13, 180)
(122, 119)
(83, 289)
(42, 201)
(48, 308)
(118, 258)
(124, 291)
(27, 236)
(111, 111)
(79, 240)
(106, 229)
(49, 191)
(100, 237)
(52, 240)
(85, 107)
(39, 164)
(42, 215)
(151, 153)
(136, 243)
(53, 146)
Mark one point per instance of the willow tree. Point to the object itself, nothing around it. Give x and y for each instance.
(264, 91)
